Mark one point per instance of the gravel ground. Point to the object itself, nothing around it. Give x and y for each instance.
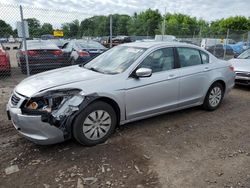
(189, 148)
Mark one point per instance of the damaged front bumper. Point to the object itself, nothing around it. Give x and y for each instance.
(32, 128)
(45, 128)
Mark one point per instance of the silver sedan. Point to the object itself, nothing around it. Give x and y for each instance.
(127, 83)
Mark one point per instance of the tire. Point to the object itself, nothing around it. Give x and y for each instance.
(95, 124)
(23, 70)
(72, 61)
(214, 97)
(8, 73)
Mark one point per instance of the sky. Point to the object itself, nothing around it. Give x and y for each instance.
(61, 11)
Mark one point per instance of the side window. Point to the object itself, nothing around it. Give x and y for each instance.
(65, 46)
(189, 57)
(159, 60)
(69, 46)
(204, 57)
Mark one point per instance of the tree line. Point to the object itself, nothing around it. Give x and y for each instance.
(146, 23)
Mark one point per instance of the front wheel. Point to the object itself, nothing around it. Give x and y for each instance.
(214, 97)
(95, 124)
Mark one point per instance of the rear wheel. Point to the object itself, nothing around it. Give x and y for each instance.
(95, 124)
(214, 97)
(72, 61)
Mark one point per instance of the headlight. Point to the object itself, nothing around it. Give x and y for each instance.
(51, 100)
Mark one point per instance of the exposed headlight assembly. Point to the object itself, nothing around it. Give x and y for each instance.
(51, 100)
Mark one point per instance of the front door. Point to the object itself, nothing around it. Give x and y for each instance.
(155, 94)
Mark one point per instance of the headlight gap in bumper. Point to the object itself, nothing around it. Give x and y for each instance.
(48, 128)
(31, 126)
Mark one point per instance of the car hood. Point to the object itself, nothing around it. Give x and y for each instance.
(242, 65)
(55, 78)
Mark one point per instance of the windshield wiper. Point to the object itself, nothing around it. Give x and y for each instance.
(100, 71)
(94, 69)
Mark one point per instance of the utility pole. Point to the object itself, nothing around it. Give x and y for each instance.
(110, 30)
(225, 50)
(163, 24)
(24, 41)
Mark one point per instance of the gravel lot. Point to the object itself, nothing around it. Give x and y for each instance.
(189, 148)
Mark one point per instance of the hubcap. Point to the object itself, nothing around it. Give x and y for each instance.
(97, 124)
(215, 96)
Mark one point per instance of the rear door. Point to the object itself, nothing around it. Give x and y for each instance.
(194, 75)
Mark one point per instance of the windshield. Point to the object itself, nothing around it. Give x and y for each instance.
(90, 45)
(244, 55)
(115, 60)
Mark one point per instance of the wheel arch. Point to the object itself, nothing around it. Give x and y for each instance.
(114, 105)
(222, 82)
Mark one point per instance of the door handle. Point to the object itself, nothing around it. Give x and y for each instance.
(206, 69)
(171, 76)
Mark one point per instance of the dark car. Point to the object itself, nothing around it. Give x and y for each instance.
(116, 40)
(81, 51)
(42, 55)
(5, 68)
(218, 50)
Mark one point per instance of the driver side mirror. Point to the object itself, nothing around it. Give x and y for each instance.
(143, 72)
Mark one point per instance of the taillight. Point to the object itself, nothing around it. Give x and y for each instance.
(231, 68)
(3, 59)
(83, 54)
(57, 52)
(30, 53)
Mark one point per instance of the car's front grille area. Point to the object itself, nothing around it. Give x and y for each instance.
(14, 99)
(244, 74)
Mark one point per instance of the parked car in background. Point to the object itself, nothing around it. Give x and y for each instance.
(169, 38)
(129, 82)
(209, 42)
(47, 37)
(59, 42)
(218, 50)
(5, 68)
(11, 39)
(242, 68)
(240, 47)
(42, 55)
(81, 51)
(116, 41)
(3, 40)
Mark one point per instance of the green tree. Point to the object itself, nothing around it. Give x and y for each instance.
(34, 27)
(145, 23)
(236, 23)
(66, 30)
(95, 26)
(5, 29)
(72, 29)
(182, 25)
(47, 28)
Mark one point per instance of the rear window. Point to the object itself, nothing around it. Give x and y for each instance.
(245, 55)
(37, 45)
(189, 56)
(204, 57)
(88, 45)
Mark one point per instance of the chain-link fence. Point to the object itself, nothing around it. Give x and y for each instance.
(57, 38)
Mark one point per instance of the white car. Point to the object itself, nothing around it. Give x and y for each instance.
(241, 66)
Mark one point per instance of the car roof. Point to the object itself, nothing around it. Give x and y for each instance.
(40, 44)
(151, 44)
